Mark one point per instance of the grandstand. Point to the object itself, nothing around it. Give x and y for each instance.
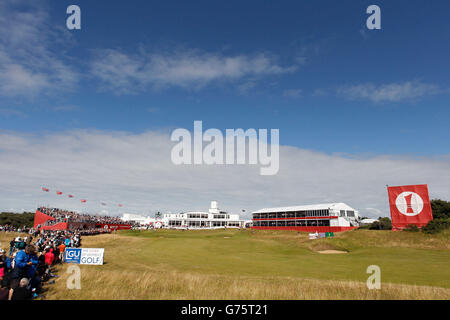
(58, 219)
(327, 217)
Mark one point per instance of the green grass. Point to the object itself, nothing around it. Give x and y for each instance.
(286, 254)
(232, 264)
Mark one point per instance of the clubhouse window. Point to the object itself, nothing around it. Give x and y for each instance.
(318, 223)
(281, 215)
(300, 214)
(300, 223)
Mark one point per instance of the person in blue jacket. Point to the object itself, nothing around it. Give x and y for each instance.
(33, 275)
(21, 266)
(33, 258)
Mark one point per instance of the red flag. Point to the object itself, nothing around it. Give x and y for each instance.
(409, 205)
(45, 189)
(70, 196)
(83, 200)
(58, 192)
(120, 205)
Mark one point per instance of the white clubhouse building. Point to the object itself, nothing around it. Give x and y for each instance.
(212, 219)
(136, 218)
(325, 217)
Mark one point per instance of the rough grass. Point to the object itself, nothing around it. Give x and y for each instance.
(179, 285)
(231, 264)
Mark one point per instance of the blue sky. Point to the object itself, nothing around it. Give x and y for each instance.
(309, 68)
(413, 46)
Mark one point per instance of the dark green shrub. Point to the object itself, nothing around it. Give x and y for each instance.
(436, 226)
(382, 224)
(412, 228)
(441, 209)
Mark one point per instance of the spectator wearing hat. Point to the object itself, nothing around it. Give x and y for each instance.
(17, 242)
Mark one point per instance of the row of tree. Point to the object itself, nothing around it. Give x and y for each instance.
(17, 220)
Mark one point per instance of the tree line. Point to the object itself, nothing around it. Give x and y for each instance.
(17, 220)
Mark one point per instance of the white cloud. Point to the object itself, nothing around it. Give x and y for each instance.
(319, 92)
(376, 212)
(136, 170)
(392, 92)
(293, 93)
(28, 66)
(10, 112)
(153, 109)
(65, 108)
(364, 33)
(127, 73)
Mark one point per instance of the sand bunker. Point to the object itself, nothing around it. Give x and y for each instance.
(332, 251)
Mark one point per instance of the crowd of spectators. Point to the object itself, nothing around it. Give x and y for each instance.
(28, 264)
(61, 215)
(10, 228)
(93, 232)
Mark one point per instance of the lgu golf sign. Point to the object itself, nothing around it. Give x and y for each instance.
(92, 256)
